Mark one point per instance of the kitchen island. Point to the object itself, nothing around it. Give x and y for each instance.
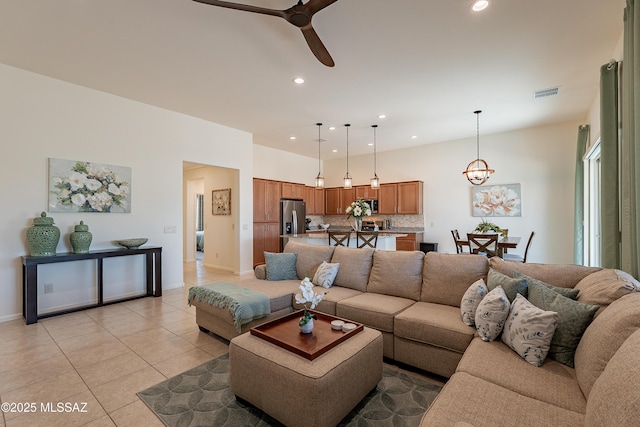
(386, 241)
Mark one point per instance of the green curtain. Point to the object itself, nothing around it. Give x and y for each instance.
(578, 223)
(629, 148)
(609, 136)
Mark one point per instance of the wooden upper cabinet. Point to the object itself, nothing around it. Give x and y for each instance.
(410, 198)
(332, 197)
(348, 196)
(387, 199)
(314, 198)
(292, 190)
(319, 199)
(366, 192)
(266, 200)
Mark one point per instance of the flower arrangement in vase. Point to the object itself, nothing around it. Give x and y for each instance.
(357, 210)
(486, 226)
(307, 296)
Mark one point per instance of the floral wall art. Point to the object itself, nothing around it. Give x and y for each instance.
(497, 200)
(78, 186)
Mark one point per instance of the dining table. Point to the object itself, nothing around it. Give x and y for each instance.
(504, 243)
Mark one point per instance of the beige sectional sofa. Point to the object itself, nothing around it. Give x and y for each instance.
(414, 300)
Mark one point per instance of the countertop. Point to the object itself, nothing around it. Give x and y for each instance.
(394, 230)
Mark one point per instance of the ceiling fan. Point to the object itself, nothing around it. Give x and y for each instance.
(299, 15)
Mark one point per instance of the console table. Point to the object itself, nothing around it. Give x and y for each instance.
(153, 267)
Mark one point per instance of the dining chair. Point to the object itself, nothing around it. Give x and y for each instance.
(516, 257)
(456, 238)
(367, 238)
(339, 238)
(483, 244)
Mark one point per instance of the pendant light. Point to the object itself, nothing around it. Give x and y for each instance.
(478, 171)
(319, 178)
(348, 182)
(375, 181)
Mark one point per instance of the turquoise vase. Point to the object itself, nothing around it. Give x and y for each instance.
(43, 236)
(81, 238)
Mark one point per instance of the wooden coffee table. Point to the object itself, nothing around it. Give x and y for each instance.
(316, 388)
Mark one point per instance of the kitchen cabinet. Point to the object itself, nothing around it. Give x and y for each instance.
(366, 192)
(292, 190)
(314, 198)
(266, 237)
(402, 198)
(409, 243)
(266, 200)
(333, 200)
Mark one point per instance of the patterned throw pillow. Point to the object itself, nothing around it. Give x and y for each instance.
(565, 292)
(281, 266)
(511, 286)
(326, 274)
(471, 300)
(573, 319)
(491, 314)
(528, 330)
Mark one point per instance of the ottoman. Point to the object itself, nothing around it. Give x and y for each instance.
(301, 392)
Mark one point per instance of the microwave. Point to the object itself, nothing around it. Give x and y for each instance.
(374, 205)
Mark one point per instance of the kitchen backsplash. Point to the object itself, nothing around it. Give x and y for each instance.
(413, 221)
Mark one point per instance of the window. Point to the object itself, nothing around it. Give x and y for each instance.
(592, 241)
(199, 212)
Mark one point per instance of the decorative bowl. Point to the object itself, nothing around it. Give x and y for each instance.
(132, 243)
(325, 226)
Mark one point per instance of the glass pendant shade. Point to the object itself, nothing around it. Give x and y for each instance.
(348, 181)
(319, 177)
(375, 181)
(478, 171)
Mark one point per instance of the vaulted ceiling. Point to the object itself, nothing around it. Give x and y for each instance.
(427, 65)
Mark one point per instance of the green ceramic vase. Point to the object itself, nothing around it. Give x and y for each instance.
(43, 236)
(81, 238)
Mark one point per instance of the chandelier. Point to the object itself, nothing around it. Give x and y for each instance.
(478, 171)
(319, 178)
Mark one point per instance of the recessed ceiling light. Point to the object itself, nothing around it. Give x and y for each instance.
(479, 5)
(334, 150)
(332, 128)
(382, 116)
(414, 136)
(370, 144)
(292, 138)
(298, 80)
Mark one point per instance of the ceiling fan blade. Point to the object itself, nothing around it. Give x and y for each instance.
(245, 7)
(316, 46)
(314, 6)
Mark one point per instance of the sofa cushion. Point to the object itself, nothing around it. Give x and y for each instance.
(325, 274)
(565, 292)
(471, 300)
(615, 395)
(397, 273)
(603, 337)
(552, 382)
(511, 286)
(331, 298)
(446, 277)
(434, 324)
(491, 314)
(605, 286)
(528, 330)
(563, 275)
(573, 319)
(280, 266)
(309, 257)
(472, 400)
(355, 266)
(374, 310)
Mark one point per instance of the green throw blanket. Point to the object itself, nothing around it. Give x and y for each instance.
(244, 304)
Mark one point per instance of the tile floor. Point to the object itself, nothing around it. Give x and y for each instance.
(102, 357)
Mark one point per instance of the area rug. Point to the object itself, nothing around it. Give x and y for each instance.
(201, 397)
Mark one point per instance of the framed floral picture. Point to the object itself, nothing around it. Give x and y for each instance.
(78, 186)
(497, 200)
(221, 201)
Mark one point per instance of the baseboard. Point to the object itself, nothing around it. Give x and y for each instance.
(173, 286)
(10, 317)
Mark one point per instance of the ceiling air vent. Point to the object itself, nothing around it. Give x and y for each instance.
(552, 91)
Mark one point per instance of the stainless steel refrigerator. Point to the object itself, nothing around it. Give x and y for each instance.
(292, 219)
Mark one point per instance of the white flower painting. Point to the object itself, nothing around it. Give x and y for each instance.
(497, 200)
(77, 186)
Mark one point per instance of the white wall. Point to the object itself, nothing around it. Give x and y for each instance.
(269, 163)
(540, 159)
(46, 118)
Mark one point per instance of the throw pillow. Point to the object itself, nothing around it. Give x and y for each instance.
(565, 292)
(326, 274)
(471, 300)
(491, 314)
(606, 286)
(573, 319)
(511, 286)
(281, 266)
(528, 330)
